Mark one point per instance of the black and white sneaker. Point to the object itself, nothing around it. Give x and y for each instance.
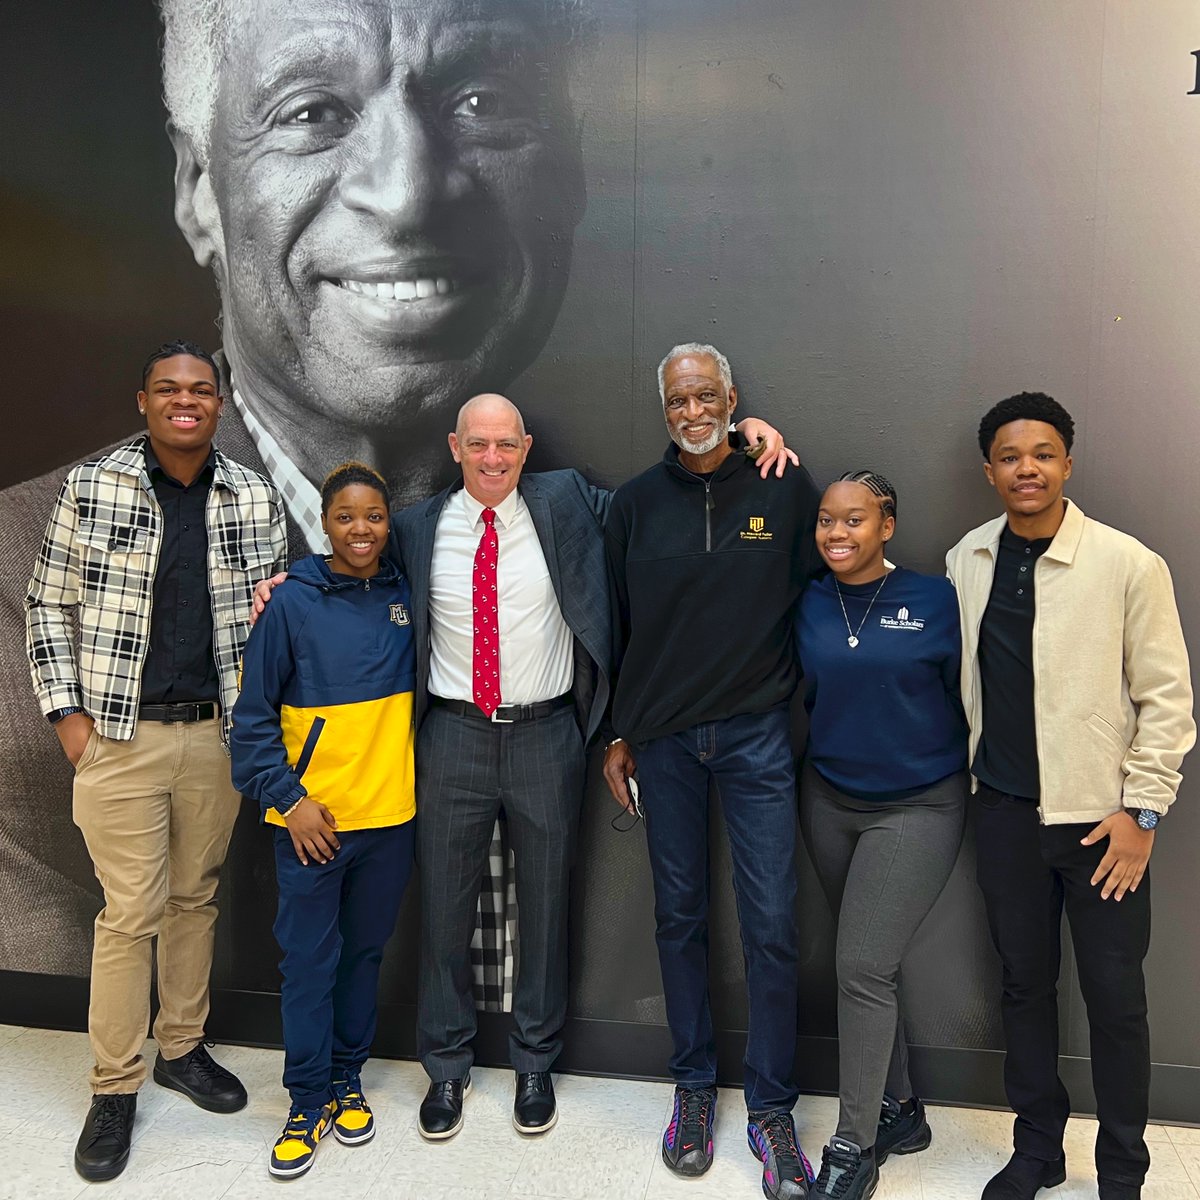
(846, 1172)
(901, 1132)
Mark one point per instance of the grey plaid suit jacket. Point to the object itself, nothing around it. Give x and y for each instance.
(568, 514)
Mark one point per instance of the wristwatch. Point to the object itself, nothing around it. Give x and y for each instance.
(59, 713)
(1146, 818)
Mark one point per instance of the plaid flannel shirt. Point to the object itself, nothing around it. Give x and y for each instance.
(87, 622)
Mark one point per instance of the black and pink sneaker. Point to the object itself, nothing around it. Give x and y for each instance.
(687, 1145)
(787, 1174)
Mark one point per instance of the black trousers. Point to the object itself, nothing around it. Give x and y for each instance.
(468, 770)
(1029, 873)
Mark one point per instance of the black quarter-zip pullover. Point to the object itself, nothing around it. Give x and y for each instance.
(706, 571)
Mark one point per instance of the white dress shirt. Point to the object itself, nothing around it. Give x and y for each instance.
(536, 654)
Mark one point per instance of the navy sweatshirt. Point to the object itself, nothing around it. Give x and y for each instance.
(706, 573)
(886, 720)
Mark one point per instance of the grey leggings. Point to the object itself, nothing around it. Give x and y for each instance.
(881, 866)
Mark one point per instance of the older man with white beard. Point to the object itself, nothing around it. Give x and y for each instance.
(697, 546)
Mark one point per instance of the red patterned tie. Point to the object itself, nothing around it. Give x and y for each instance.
(486, 623)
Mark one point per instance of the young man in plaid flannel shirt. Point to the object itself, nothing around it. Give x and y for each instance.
(136, 618)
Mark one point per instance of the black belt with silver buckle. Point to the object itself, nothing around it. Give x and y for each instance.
(506, 714)
(178, 714)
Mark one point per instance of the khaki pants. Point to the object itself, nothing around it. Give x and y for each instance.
(156, 813)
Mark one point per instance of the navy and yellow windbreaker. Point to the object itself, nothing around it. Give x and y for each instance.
(326, 702)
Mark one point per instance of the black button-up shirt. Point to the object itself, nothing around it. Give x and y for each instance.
(180, 666)
(1007, 756)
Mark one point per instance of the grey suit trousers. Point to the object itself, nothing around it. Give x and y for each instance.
(470, 771)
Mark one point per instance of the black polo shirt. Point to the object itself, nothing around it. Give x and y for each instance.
(1007, 756)
(180, 666)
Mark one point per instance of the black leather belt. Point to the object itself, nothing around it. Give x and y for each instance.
(506, 714)
(178, 714)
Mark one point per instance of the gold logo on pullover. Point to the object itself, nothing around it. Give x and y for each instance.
(756, 531)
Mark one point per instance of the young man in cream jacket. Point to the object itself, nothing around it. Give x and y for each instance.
(1076, 685)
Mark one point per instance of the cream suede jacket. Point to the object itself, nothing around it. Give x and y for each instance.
(1112, 689)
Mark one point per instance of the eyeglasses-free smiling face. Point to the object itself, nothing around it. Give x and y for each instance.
(181, 403)
(389, 199)
(356, 523)
(852, 531)
(696, 404)
(1028, 465)
(491, 446)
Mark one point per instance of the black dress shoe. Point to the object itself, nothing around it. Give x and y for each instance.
(1023, 1176)
(441, 1114)
(534, 1110)
(202, 1080)
(103, 1147)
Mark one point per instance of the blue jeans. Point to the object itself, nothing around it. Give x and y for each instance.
(333, 922)
(749, 758)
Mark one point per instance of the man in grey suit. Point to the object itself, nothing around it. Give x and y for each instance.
(506, 736)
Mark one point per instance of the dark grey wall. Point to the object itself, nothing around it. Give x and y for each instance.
(887, 215)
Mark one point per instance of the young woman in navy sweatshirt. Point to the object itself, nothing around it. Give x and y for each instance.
(323, 740)
(882, 801)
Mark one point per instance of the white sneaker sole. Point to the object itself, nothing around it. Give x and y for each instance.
(534, 1130)
(291, 1173)
(358, 1139)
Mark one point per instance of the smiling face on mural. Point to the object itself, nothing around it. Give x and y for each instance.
(388, 199)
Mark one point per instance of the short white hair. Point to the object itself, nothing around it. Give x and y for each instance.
(193, 50)
(195, 35)
(693, 350)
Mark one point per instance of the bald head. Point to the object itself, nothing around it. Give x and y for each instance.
(489, 404)
(489, 442)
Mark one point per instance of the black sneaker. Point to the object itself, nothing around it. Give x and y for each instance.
(787, 1174)
(1023, 1176)
(900, 1132)
(846, 1173)
(441, 1114)
(103, 1147)
(201, 1079)
(687, 1145)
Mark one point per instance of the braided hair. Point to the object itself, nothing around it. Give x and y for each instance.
(877, 484)
(348, 474)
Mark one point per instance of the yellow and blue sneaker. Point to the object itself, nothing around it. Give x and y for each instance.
(353, 1122)
(296, 1146)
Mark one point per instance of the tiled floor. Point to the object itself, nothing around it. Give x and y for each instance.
(605, 1144)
